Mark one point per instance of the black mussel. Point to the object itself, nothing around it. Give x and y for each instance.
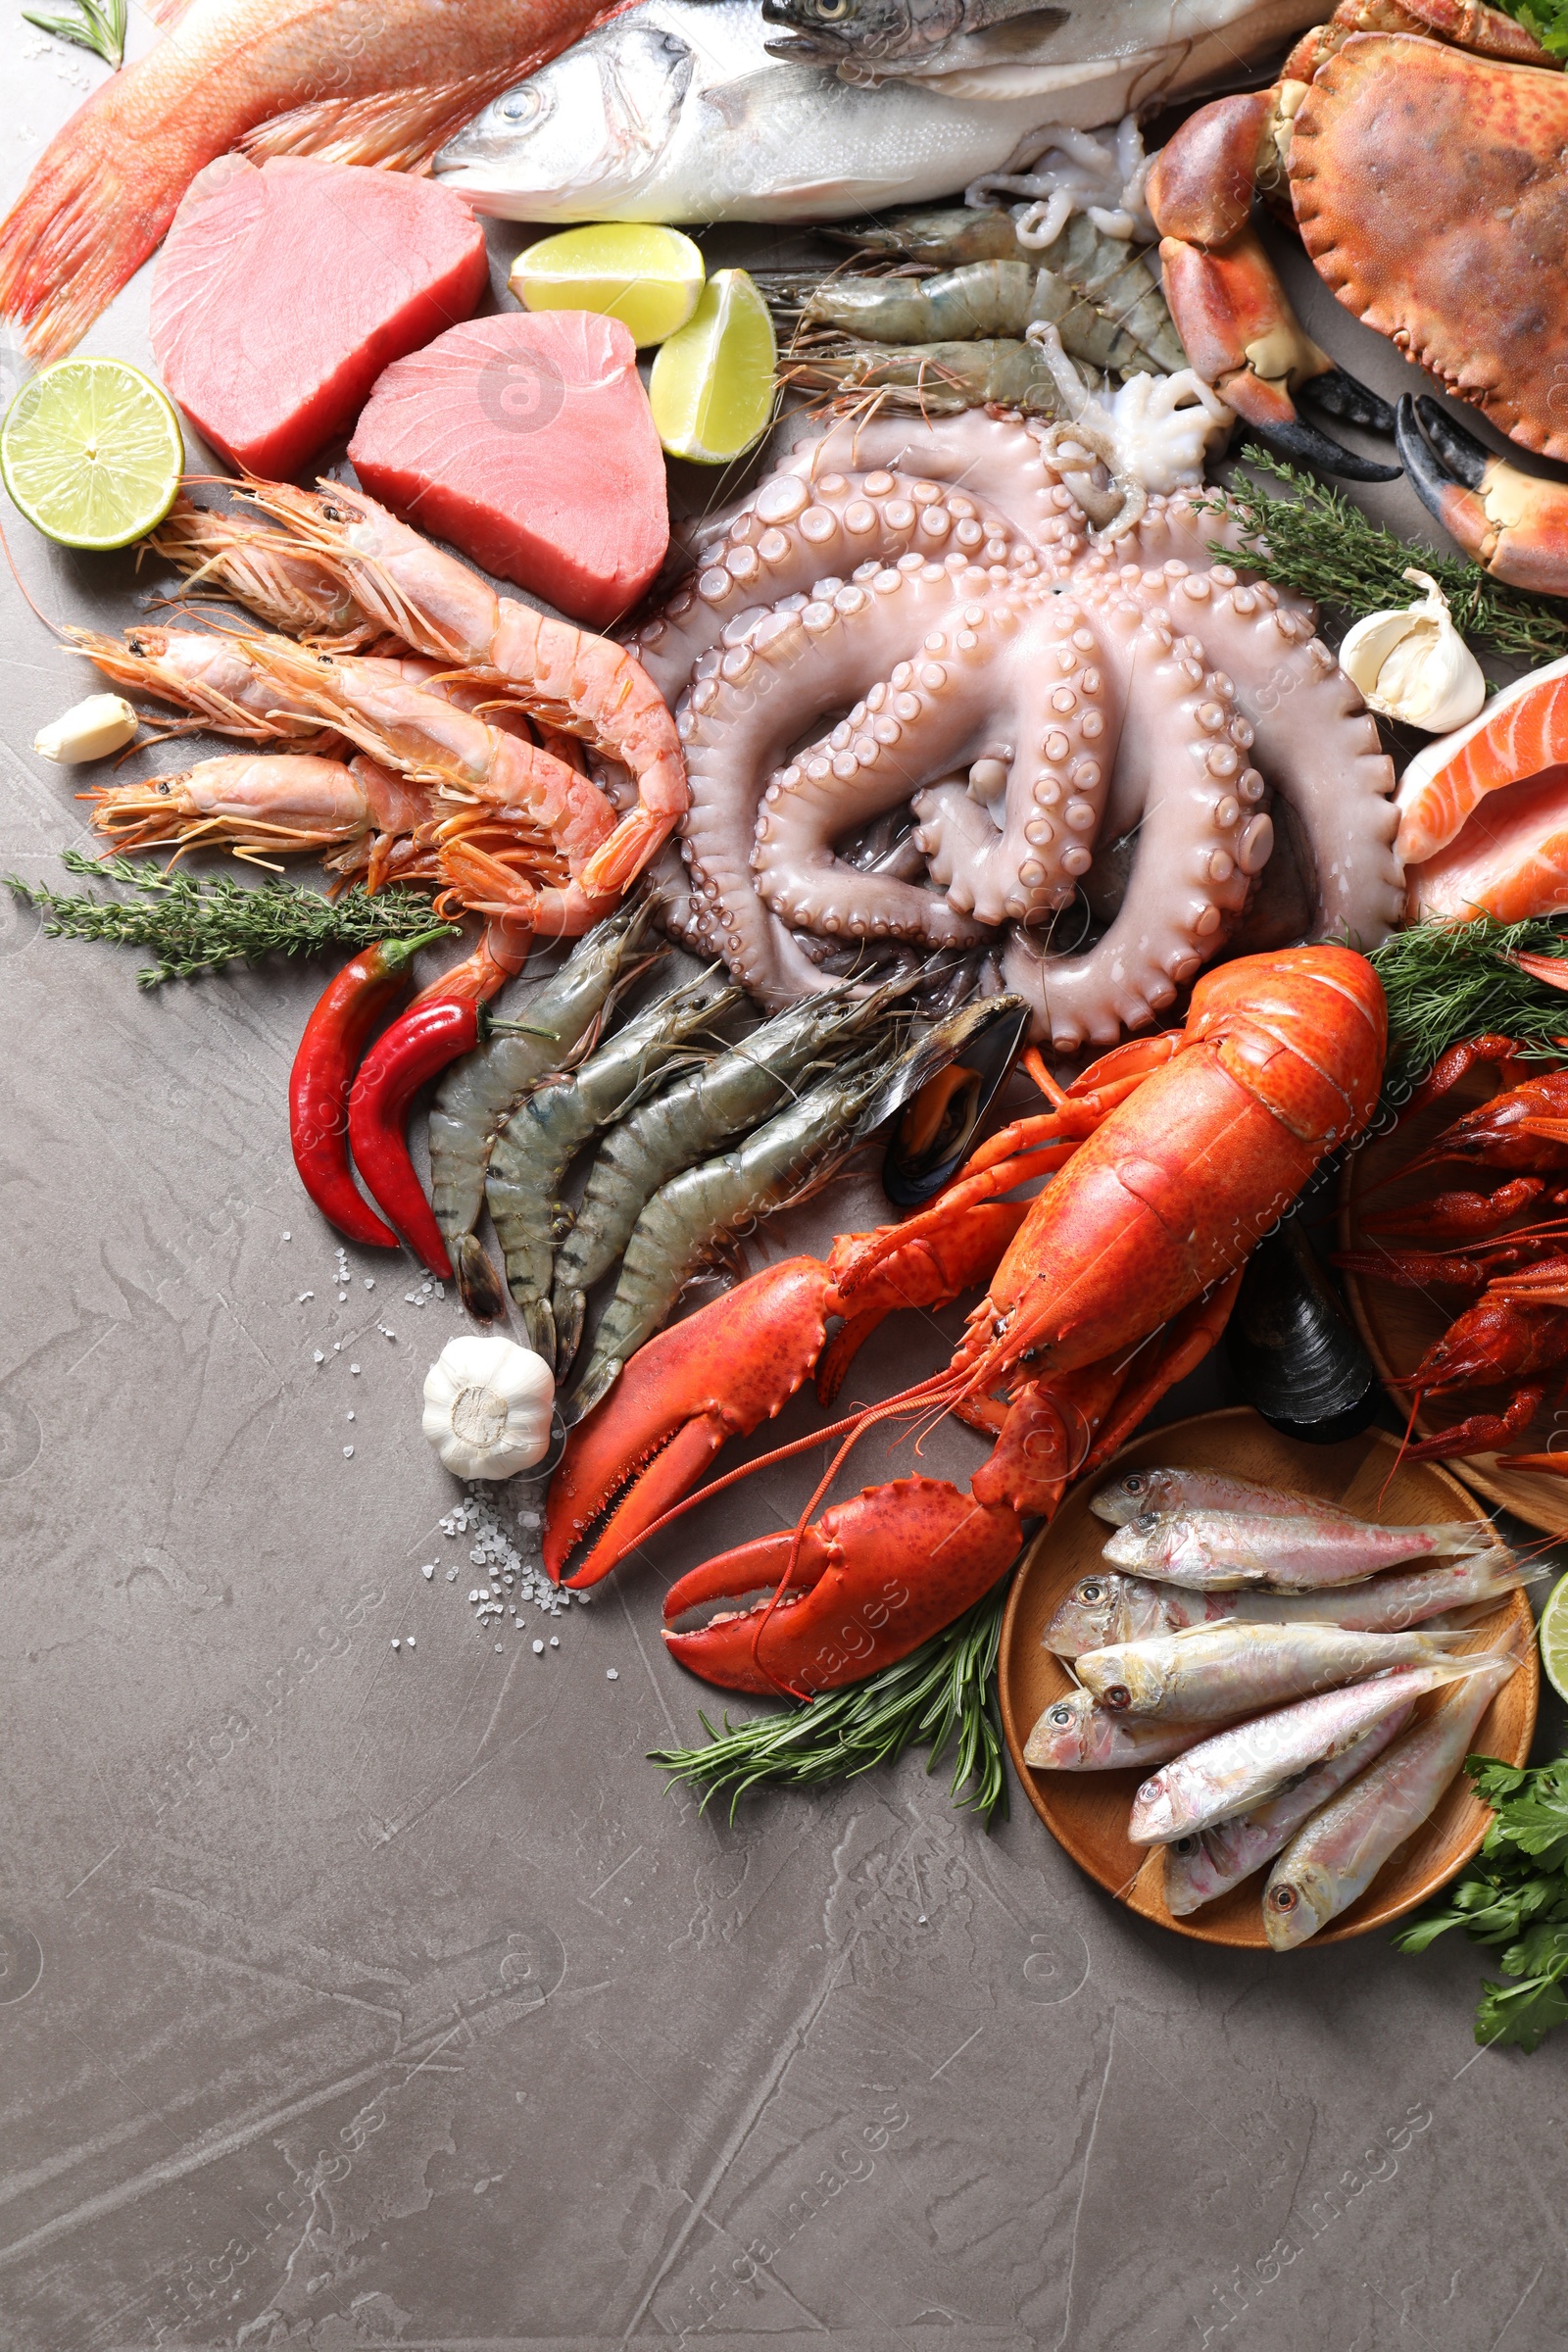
(1294, 1351)
(939, 1123)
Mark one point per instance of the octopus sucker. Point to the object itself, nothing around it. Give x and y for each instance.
(924, 615)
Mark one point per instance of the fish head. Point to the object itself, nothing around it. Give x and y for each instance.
(1296, 1902)
(840, 31)
(596, 119)
(1191, 1878)
(1150, 1544)
(1088, 1618)
(1067, 1736)
(1140, 1491)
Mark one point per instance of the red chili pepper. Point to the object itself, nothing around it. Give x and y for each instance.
(410, 1053)
(323, 1071)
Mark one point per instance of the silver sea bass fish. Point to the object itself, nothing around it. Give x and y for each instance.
(676, 112)
(1217, 1549)
(1095, 63)
(1213, 1671)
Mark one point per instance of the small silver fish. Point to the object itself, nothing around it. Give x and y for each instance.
(1108, 1606)
(1209, 1863)
(1335, 1857)
(1073, 1735)
(879, 31)
(1220, 1550)
(1239, 1767)
(1169, 1492)
(1211, 1672)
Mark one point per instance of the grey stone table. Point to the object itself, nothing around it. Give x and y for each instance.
(354, 1994)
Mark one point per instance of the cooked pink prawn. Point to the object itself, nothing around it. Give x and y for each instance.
(264, 809)
(573, 680)
(248, 559)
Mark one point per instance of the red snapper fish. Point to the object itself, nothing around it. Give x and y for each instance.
(354, 81)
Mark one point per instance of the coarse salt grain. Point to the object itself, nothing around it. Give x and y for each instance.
(354, 1367)
(612, 1674)
(347, 1416)
(500, 1646)
(555, 1641)
(411, 1641)
(538, 1650)
(397, 1646)
(319, 1358)
(288, 1236)
(348, 1454)
(428, 1570)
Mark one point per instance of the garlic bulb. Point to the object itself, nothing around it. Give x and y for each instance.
(487, 1408)
(1414, 664)
(89, 730)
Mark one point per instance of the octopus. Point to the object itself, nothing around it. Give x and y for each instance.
(972, 623)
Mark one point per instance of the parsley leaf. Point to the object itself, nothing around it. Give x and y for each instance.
(1514, 1898)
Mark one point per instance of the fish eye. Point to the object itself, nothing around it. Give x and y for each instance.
(1283, 1898)
(1135, 1482)
(1062, 1715)
(1091, 1589)
(831, 9)
(1117, 1697)
(519, 104)
(1185, 1848)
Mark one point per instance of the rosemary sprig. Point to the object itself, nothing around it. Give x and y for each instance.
(1316, 542)
(1445, 981)
(99, 25)
(198, 925)
(943, 1690)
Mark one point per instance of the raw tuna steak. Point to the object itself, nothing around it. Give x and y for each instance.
(526, 440)
(282, 292)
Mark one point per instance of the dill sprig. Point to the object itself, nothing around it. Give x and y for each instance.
(1321, 545)
(199, 925)
(943, 1690)
(1446, 980)
(98, 26)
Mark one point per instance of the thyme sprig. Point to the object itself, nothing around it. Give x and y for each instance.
(1320, 544)
(1445, 981)
(98, 26)
(944, 1691)
(196, 924)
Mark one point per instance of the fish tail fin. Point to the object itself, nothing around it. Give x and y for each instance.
(399, 128)
(1463, 1539)
(94, 208)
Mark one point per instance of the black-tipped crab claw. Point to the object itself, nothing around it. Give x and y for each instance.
(1515, 524)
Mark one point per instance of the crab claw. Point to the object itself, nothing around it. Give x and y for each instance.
(872, 1579)
(1514, 524)
(715, 1376)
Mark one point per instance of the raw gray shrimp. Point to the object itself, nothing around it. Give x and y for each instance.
(689, 1220)
(685, 1124)
(940, 380)
(976, 300)
(1104, 279)
(534, 1148)
(479, 1093)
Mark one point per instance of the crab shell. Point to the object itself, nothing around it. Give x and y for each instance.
(1429, 188)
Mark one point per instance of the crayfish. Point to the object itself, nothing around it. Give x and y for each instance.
(1168, 1157)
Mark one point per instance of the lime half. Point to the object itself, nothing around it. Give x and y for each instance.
(92, 452)
(646, 277)
(711, 386)
(1554, 1638)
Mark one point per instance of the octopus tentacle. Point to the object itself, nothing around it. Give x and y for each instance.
(1317, 743)
(790, 533)
(1201, 839)
(995, 456)
(737, 723)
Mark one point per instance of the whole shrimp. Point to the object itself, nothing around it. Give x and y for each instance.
(979, 300)
(358, 816)
(532, 1151)
(938, 378)
(682, 1125)
(479, 1093)
(578, 682)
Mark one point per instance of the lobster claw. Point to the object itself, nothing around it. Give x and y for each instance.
(713, 1377)
(872, 1579)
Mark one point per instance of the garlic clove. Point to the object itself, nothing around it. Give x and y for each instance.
(1414, 665)
(89, 730)
(488, 1407)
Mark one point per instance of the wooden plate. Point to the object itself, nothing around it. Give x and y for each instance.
(1086, 1812)
(1399, 1326)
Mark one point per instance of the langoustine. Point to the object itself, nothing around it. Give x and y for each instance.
(870, 543)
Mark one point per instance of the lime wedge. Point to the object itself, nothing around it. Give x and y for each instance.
(711, 386)
(1554, 1638)
(648, 278)
(92, 452)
